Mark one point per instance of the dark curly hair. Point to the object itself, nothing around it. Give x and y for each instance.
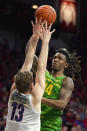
(74, 61)
(23, 81)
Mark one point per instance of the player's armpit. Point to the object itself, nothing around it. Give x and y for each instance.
(35, 63)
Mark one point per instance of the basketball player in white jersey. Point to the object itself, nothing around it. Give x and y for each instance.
(24, 103)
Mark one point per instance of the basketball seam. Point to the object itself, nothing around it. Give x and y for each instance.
(48, 17)
(41, 13)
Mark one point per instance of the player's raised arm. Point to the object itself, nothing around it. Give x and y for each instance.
(31, 47)
(45, 36)
(32, 43)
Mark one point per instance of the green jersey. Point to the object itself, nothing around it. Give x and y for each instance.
(50, 117)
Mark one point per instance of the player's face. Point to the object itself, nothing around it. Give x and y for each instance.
(59, 62)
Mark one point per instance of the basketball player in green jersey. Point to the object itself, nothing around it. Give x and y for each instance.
(58, 89)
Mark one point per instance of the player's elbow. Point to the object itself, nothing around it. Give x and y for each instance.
(41, 66)
(62, 106)
(26, 67)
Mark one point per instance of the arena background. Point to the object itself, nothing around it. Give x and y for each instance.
(16, 29)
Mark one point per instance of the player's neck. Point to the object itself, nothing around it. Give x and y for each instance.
(28, 92)
(57, 73)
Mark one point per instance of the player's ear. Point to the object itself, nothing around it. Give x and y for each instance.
(66, 65)
(31, 86)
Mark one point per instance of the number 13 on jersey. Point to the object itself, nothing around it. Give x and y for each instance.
(17, 117)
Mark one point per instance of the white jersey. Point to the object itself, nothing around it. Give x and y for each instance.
(22, 116)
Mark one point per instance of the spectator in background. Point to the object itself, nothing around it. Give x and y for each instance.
(85, 121)
(3, 117)
(78, 124)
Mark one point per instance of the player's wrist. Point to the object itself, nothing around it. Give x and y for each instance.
(46, 41)
(43, 100)
(35, 37)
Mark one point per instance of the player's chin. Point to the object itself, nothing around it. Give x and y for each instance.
(54, 67)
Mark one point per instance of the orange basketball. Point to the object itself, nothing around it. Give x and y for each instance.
(47, 13)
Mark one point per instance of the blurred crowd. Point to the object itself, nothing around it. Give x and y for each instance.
(10, 62)
(75, 115)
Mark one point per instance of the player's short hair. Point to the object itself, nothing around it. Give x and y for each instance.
(23, 80)
(65, 52)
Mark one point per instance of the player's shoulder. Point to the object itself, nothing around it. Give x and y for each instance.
(68, 81)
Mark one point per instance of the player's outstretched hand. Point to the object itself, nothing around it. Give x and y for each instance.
(45, 32)
(36, 27)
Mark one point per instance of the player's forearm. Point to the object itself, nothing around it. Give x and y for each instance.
(42, 61)
(33, 39)
(57, 104)
(30, 53)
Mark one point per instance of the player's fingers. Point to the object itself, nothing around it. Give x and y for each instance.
(36, 20)
(32, 23)
(45, 24)
(40, 20)
(50, 26)
(52, 31)
(42, 28)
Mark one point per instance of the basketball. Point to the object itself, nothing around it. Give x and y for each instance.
(46, 12)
